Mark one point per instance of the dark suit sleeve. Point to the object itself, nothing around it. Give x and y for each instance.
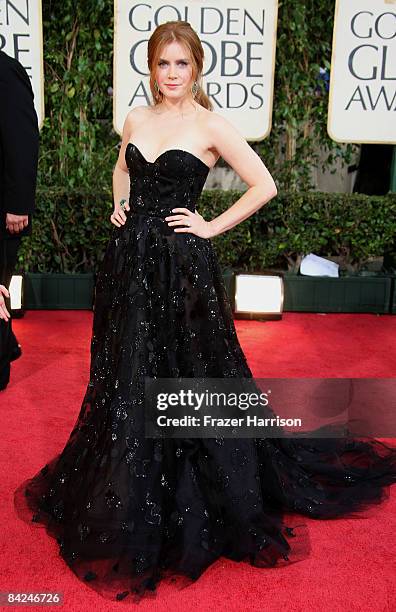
(19, 139)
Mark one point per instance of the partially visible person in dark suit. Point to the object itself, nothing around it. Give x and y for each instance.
(19, 145)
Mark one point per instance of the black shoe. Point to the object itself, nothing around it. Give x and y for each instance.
(16, 353)
(5, 372)
(4, 377)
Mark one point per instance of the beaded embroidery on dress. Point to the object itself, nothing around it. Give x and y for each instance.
(129, 511)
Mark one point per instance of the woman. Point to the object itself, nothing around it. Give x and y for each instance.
(129, 510)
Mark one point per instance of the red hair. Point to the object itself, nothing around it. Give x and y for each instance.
(183, 33)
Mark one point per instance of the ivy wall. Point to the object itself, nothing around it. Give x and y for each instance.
(79, 149)
(79, 146)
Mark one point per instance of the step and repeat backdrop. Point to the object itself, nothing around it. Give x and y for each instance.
(362, 97)
(240, 46)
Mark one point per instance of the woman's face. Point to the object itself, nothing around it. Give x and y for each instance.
(174, 68)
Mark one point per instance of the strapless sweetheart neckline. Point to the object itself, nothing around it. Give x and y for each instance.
(132, 144)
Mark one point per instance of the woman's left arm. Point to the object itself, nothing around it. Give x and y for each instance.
(235, 150)
(232, 147)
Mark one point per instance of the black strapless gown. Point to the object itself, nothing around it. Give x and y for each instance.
(128, 511)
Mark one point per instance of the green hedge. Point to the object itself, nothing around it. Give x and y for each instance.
(71, 230)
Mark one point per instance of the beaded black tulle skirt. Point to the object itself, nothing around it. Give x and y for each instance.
(129, 511)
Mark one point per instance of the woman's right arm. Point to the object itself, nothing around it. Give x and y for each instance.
(121, 181)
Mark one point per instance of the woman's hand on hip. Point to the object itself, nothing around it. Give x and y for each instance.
(118, 216)
(195, 222)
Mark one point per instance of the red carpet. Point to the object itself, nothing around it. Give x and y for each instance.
(352, 564)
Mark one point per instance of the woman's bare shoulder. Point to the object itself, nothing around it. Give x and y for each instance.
(218, 122)
(218, 130)
(207, 119)
(136, 114)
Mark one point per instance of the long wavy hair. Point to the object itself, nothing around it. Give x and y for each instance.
(183, 33)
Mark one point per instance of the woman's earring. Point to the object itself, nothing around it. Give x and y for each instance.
(157, 89)
(194, 89)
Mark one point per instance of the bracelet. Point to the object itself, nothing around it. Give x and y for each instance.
(122, 203)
